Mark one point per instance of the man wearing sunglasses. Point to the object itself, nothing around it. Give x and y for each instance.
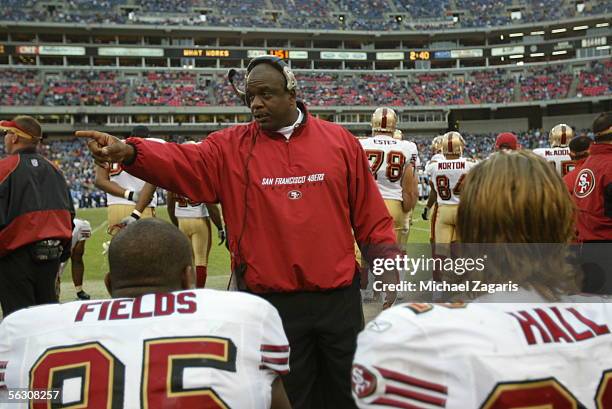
(36, 213)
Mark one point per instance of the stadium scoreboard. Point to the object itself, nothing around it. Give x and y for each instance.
(497, 51)
(198, 52)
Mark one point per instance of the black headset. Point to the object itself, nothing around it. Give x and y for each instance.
(276, 62)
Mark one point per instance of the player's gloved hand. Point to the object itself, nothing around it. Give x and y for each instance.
(131, 218)
(131, 195)
(221, 236)
(424, 215)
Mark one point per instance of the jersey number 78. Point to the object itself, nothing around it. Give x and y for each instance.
(395, 163)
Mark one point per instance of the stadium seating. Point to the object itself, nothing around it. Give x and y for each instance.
(19, 87)
(186, 88)
(596, 81)
(171, 89)
(86, 88)
(319, 14)
(545, 84)
(490, 86)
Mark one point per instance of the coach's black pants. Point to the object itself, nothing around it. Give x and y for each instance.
(322, 329)
(24, 283)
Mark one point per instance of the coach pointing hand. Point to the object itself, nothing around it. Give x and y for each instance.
(296, 192)
(106, 148)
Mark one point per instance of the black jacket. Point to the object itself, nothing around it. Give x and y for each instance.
(35, 202)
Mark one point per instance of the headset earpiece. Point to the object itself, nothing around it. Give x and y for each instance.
(279, 64)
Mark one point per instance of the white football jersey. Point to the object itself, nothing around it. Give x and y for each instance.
(129, 182)
(388, 158)
(187, 209)
(80, 232)
(430, 165)
(501, 355)
(558, 157)
(194, 348)
(447, 176)
(126, 181)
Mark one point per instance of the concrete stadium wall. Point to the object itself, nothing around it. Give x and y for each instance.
(582, 121)
(494, 125)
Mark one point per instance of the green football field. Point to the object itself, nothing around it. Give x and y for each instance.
(96, 264)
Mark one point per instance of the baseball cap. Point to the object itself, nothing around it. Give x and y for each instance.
(506, 140)
(140, 131)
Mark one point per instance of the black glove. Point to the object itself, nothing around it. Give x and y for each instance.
(424, 214)
(221, 236)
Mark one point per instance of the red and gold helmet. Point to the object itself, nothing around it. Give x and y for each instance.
(452, 143)
(560, 136)
(436, 144)
(384, 120)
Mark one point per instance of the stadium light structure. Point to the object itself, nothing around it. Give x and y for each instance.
(580, 28)
(559, 30)
(599, 25)
(516, 35)
(536, 55)
(560, 52)
(537, 33)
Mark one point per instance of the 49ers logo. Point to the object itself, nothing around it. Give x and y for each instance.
(294, 194)
(585, 183)
(363, 381)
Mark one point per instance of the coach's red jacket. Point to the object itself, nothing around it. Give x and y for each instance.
(592, 194)
(570, 178)
(293, 202)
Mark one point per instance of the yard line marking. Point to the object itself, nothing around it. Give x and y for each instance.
(103, 224)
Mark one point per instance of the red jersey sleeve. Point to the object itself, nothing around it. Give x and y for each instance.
(188, 170)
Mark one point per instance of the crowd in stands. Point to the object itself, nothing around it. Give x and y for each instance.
(19, 87)
(545, 84)
(490, 86)
(596, 81)
(438, 89)
(72, 156)
(299, 14)
(171, 89)
(86, 88)
(187, 88)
